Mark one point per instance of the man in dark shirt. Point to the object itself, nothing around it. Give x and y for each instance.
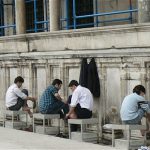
(51, 102)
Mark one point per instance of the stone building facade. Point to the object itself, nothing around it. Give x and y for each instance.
(122, 54)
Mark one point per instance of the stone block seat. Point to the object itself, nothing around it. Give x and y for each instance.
(84, 134)
(46, 127)
(132, 136)
(12, 119)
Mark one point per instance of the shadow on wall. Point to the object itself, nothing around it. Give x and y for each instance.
(112, 116)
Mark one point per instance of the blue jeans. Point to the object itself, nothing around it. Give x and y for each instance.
(137, 120)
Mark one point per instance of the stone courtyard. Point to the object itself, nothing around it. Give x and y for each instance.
(21, 140)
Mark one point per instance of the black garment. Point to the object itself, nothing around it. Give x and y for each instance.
(20, 102)
(82, 113)
(83, 73)
(69, 99)
(93, 79)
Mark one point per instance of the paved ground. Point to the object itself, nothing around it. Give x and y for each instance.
(22, 140)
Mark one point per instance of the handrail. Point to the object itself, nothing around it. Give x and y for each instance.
(107, 13)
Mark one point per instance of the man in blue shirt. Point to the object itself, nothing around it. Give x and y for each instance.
(51, 102)
(134, 106)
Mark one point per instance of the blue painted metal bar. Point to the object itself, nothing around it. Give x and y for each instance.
(113, 20)
(41, 29)
(13, 12)
(8, 26)
(74, 14)
(130, 2)
(41, 22)
(107, 13)
(1, 17)
(35, 17)
(67, 17)
(46, 8)
(96, 9)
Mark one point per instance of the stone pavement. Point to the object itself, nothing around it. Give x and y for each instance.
(22, 140)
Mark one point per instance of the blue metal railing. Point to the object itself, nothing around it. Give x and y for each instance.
(96, 15)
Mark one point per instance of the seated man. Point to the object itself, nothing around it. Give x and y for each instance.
(51, 102)
(134, 106)
(81, 102)
(15, 98)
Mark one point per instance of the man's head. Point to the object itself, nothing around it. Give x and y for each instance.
(19, 80)
(73, 85)
(140, 90)
(57, 83)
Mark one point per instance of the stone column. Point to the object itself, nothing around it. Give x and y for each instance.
(20, 16)
(143, 11)
(54, 13)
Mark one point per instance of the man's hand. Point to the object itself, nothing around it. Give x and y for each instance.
(34, 98)
(67, 116)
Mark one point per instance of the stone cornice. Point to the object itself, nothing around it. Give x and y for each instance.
(92, 39)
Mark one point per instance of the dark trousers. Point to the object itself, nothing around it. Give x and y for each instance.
(58, 107)
(20, 102)
(82, 113)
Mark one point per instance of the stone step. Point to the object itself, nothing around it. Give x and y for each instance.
(134, 143)
(52, 130)
(15, 124)
(85, 136)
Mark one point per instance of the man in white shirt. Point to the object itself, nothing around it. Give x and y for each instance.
(15, 98)
(81, 102)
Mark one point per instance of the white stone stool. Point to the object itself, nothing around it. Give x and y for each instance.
(131, 141)
(12, 123)
(83, 135)
(45, 129)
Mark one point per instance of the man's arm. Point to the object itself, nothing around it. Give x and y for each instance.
(70, 111)
(20, 94)
(58, 96)
(31, 98)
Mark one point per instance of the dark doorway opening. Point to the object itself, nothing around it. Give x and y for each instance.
(82, 7)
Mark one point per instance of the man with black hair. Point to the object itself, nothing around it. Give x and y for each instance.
(134, 106)
(15, 98)
(81, 102)
(51, 102)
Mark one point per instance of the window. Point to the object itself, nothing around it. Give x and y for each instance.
(81, 8)
(34, 15)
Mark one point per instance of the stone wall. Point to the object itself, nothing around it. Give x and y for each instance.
(122, 55)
